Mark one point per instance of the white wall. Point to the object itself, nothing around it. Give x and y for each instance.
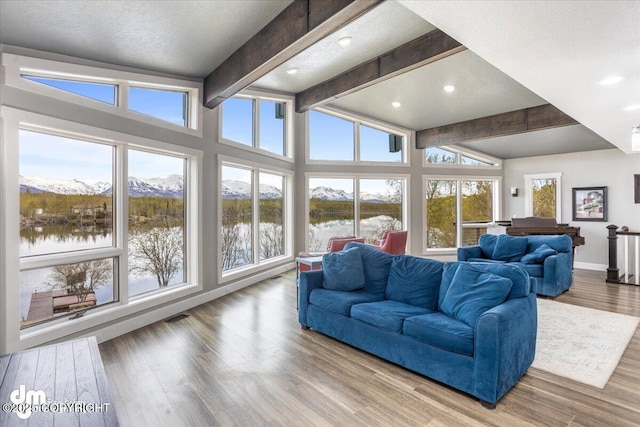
(610, 168)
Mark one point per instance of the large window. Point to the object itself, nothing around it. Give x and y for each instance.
(458, 210)
(156, 221)
(542, 195)
(336, 138)
(66, 213)
(257, 122)
(170, 103)
(82, 256)
(363, 207)
(253, 218)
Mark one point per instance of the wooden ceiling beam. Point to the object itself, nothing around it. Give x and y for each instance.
(513, 122)
(297, 27)
(424, 50)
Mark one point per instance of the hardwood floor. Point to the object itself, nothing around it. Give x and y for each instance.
(243, 360)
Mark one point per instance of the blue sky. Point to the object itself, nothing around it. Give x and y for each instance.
(48, 156)
(331, 138)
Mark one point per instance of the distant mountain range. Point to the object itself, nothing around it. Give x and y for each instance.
(172, 186)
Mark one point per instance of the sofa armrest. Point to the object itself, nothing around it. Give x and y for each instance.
(557, 269)
(309, 280)
(505, 343)
(469, 252)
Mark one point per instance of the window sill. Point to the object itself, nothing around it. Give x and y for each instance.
(60, 328)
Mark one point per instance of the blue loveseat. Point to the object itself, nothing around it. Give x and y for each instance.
(547, 259)
(432, 317)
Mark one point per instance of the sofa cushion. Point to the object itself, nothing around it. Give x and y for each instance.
(539, 255)
(487, 260)
(343, 270)
(472, 292)
(487, 243)
(509, 248)
(442, 331)
(339, 302)
(448, 272)
(414, 281)
(376, 267)
(388, 315)
(534, 270)
(561, 243)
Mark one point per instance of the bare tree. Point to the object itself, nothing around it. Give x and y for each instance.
(82, 278)
(386, 223)
(271, 240)
(156, 249)
(314, 242)
(236, 240)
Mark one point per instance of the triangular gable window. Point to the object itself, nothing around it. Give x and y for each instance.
(97, 91)
(472, 161)
(440, 156)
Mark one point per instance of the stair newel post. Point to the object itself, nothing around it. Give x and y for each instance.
(613, 273)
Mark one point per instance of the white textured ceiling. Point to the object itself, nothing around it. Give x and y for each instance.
(481, 90)
(387, 26)
(566, 139)
(187, 38)
(559, 50)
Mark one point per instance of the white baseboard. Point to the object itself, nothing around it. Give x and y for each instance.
(590, 266)
(115, 330)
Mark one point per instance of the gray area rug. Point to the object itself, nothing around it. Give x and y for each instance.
(580, 343)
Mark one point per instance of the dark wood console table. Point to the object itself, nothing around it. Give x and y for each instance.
(72, 377)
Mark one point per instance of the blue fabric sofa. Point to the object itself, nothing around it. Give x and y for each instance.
(429, 316)
(547, 259)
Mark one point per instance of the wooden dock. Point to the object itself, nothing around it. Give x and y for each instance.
(45, 304)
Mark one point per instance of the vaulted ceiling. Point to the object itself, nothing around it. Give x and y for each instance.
(515, 60)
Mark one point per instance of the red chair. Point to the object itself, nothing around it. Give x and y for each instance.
(393, 242)
(335, 244)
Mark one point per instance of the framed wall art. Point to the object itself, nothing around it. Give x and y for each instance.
(589, 204)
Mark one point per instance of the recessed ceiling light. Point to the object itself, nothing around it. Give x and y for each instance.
(292, 70)
(345, 41)
(632, 107)
(611, 80)
(449, 88)
(396, 104)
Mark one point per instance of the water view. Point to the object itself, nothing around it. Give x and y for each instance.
(67, 206)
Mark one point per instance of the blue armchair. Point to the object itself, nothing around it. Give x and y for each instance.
(547, 259)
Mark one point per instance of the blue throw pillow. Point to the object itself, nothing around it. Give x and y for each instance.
(414, 281)
(376, 273)
(472, 292)
(509, 248)
(343, 271)
(487, 243)
(539, 255)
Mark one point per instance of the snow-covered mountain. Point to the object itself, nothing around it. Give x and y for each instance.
(173, 186)
(169, 186)
(54, 185)
(328, 193)
(232, 189)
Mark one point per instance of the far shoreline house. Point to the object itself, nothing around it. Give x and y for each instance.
(261, 129)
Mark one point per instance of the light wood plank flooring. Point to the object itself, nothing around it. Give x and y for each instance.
(243, 360)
